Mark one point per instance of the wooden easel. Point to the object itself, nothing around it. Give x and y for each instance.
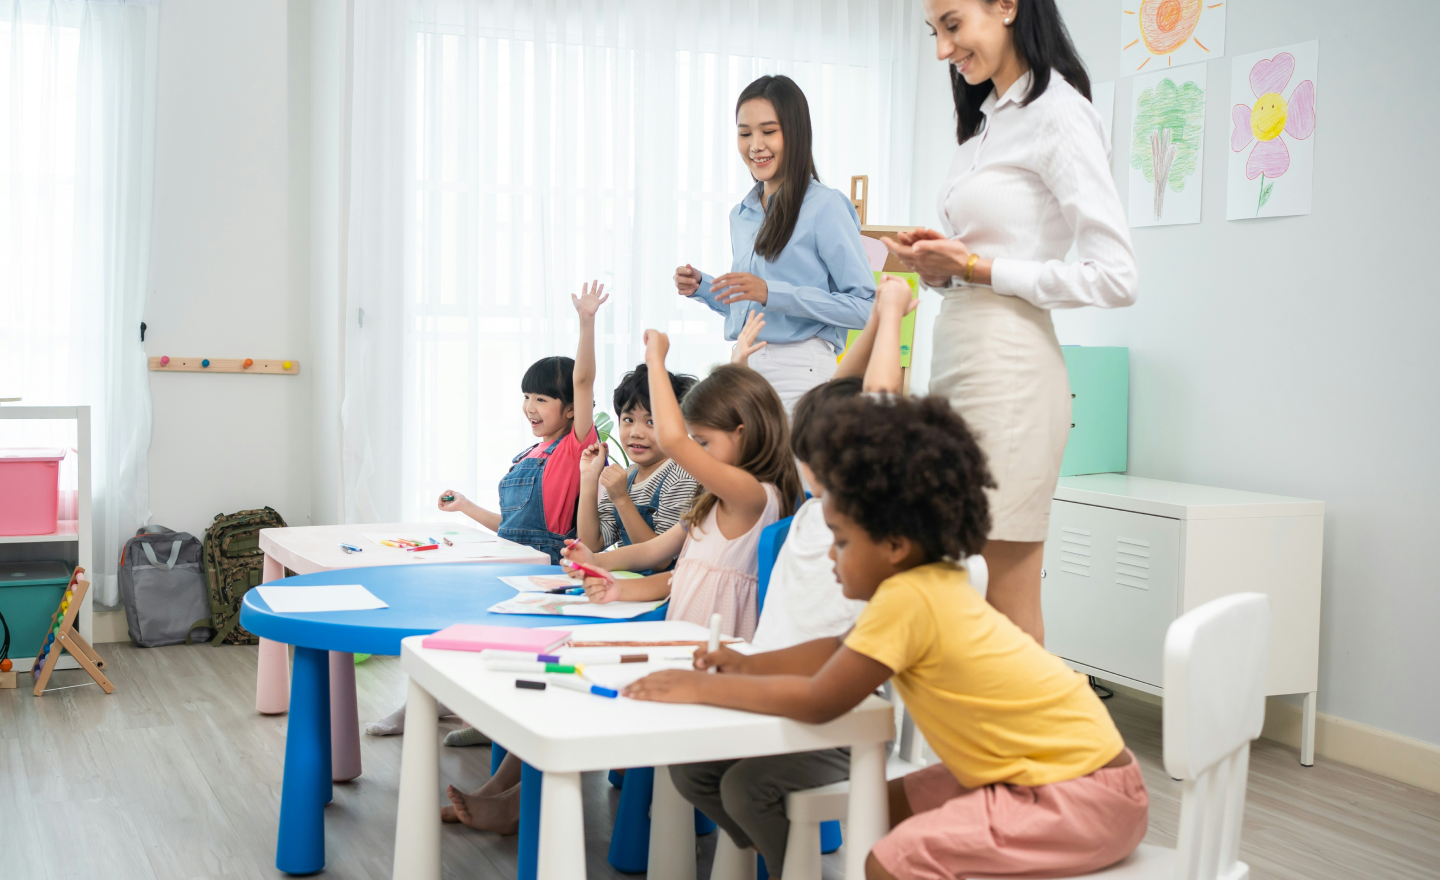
(66, 637)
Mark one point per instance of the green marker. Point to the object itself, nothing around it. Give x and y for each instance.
(528, 666)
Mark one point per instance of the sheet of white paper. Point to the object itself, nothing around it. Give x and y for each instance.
(470, 536)
(1167, 109)
(1273, 96)
(381, 537)
(481, 551)
(321, 597)
(538, 583)
(1103, 99)
(1169, 33)
(560, 605)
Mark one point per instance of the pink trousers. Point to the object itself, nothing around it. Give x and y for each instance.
(1057, 830)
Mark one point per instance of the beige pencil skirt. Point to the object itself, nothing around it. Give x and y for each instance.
(997, 360)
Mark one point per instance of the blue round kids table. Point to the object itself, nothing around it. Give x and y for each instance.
(422, 600)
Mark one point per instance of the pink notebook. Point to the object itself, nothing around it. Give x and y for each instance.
(474, 637)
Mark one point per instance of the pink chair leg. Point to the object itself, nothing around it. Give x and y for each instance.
(272, 676)
(344, 719)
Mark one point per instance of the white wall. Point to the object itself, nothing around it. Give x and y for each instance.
(230, 262)
(1296, 355)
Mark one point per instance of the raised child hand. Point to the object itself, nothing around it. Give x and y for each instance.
(456, 500)
(589, 300)
(667, 686)
(657, 344)
(746, 344)
(726, 660)
(616, 481)
(592, 461)
(894, 294)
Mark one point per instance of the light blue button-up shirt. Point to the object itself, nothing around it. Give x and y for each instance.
(820, 285)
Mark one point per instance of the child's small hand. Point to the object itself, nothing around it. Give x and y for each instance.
(657, 344)
(746, 344)
(687, 280)
(725, 660)
(589, 301)
(668, 686)
(576, 551)
(616, 481)
(592, 461)
(456, 500)
(894, 294)
(601, 591)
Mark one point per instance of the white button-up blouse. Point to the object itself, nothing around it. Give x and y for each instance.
(1035, 180)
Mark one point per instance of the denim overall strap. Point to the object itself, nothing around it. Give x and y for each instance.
(647, 513)
(522, 504)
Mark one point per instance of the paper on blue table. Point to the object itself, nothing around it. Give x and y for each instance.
(572, 606)
(319, 598)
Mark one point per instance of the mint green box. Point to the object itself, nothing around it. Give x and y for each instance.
(29, 594)
(1099, 410)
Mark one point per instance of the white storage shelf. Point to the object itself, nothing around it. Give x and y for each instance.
(1127, 555)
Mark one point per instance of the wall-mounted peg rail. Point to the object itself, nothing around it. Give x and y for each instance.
(167, 364)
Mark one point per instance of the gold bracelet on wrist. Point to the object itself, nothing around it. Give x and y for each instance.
(969, 275)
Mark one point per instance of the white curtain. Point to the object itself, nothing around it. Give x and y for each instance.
(504, 152)
(77, 121)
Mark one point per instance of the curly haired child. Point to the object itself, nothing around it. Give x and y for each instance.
(1034, 778)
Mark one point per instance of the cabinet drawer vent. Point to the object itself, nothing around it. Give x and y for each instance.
(1132, 563)
(1075, 551)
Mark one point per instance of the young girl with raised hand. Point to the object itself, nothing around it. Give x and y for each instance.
(1034, 778)
(632, 505)
(805, 602)
(731, 435)
(538, 496)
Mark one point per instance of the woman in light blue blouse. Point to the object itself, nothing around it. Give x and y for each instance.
(797, 255)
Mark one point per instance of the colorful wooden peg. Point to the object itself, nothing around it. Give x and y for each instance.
(248, 363)
(205, 363)
(286, 365)
(165, 360)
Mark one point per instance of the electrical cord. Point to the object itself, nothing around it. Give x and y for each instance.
(1101, 690)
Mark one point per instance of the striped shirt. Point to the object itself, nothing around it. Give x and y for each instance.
(675, 498)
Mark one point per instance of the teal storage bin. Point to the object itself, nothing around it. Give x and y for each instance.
(29, 593)
(1099, 410)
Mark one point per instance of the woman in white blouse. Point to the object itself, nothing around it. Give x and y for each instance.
(1031, 178)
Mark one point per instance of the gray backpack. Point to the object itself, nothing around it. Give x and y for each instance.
(162, 586)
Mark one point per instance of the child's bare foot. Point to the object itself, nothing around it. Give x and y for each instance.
(500, 813)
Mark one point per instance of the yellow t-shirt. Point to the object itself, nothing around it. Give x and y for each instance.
(993, 704)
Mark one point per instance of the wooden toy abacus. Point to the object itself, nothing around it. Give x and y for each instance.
(63, 635)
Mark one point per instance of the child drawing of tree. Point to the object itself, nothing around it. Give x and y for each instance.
(1168, 124)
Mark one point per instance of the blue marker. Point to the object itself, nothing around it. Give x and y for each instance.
(351, 548)
(573, 684)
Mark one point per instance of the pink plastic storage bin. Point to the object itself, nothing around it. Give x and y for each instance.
(29, 491)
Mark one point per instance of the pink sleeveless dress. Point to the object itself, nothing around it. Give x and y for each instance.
(718, 574)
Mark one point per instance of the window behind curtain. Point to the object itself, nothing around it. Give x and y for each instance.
(551, 144)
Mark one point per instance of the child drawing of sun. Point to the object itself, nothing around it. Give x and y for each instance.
(1167, 29)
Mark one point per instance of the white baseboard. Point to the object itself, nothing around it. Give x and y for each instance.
(109, 626)
(1391, 755)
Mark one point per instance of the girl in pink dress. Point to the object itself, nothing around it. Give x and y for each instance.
(731, 435)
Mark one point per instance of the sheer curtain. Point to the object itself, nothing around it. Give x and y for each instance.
(504, 152)
(77, 111)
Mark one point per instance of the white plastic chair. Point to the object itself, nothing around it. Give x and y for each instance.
(1215, 660)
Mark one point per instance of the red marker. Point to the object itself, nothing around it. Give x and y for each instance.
(592, 572)
(426, 547)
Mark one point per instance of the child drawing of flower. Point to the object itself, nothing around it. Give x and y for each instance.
(1270, 115)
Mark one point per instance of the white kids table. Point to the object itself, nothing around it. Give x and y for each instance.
(562, 733)
(311, 549)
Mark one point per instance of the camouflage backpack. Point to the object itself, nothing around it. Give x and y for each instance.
(233, 564)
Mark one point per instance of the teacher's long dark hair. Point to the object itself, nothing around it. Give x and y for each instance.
(797, 167)
(1042, 40)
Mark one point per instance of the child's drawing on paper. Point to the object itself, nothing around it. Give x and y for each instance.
(1167, 141)
(1170, 32)
(1272, 118)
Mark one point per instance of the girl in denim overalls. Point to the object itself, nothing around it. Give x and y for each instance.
(625, 516)
(538, 495)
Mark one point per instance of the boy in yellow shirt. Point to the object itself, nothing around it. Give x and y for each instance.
(1035, 780)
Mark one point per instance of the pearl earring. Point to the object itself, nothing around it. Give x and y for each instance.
(1007, 21)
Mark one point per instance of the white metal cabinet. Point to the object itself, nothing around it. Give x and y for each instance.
(1127, 555)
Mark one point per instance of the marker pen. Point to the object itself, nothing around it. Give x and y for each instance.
(609, 659)
(499, 654)
(522, 666)
(351, 548)
(575, 684)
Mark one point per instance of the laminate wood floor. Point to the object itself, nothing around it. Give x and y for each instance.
(176, 776)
